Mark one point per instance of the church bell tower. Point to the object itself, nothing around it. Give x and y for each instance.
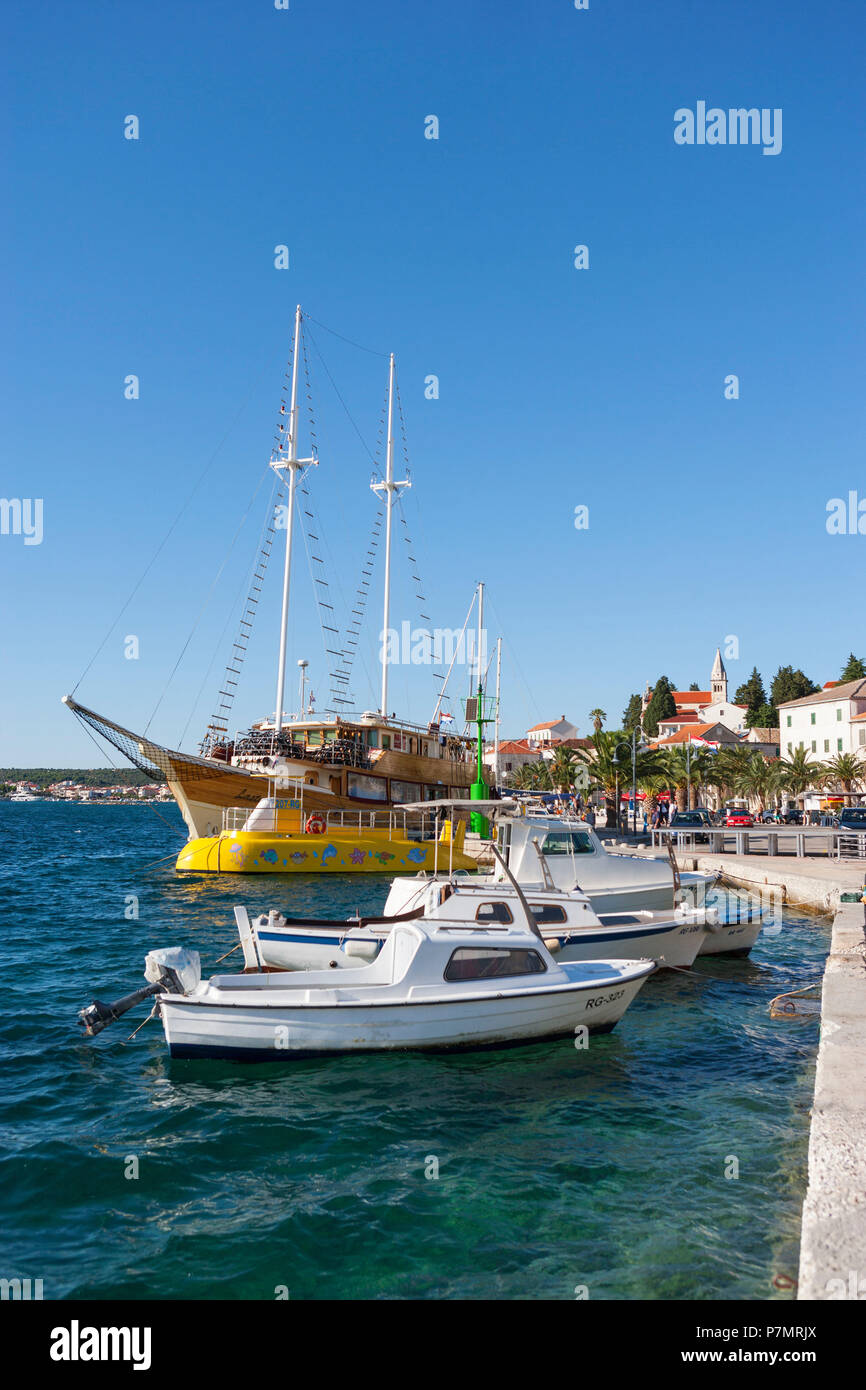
(719, 681)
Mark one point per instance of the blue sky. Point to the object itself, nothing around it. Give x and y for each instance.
(558, 387)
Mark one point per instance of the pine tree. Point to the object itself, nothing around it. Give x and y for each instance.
(631, 717)
(854, 669)
(661, 706)
(789, 684)
(764, 717)
(753, 695)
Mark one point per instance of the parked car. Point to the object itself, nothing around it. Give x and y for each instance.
(770, 818)
(852, 818)
(793, 818)
(690, 821)
(737, 816)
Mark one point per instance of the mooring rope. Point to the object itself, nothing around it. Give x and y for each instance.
(789, 1011)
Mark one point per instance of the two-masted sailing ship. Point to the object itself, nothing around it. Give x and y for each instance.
(362, 762)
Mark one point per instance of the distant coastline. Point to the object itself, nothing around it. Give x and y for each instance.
(89, 786)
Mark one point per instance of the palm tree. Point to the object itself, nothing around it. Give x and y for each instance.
(598, 717)
(561, 768)
(727, 767)
(610, 771)
(845, 769)
(682, 767)
(760, 779)
(651, 783)
(799, 774)
(526, 777)
(541, 774)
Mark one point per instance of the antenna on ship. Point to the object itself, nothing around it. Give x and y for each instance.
(290, 464)
(387, 489)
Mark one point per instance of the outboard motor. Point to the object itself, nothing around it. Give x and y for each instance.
(173, 970)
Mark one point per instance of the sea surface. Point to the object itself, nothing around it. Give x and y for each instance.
(666, 1161)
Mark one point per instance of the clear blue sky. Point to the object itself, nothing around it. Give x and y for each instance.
(559, 387)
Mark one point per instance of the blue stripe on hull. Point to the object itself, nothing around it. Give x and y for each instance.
(335, 939)
(569, 936)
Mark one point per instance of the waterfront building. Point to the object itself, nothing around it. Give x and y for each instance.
(764, 741)
(710, 735)
(829, 722)
(514, 753)
(551, 732)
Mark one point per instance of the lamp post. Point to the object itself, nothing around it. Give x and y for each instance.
(688, 774)
(615, 760)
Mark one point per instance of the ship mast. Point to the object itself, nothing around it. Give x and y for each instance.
(496, 774)
(290, 464)
(387, 489)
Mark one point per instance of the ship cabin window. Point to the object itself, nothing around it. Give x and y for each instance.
(547, 913)
(405, 791)
(314, 738)
(493, 912)
(366, 788)
(386, 740)
(373, 738)
(489, 963)
(567, 842)
(329, 735)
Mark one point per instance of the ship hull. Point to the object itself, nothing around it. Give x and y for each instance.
(341, 852)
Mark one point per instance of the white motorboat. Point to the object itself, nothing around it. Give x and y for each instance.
(570, 927)
(433, 986)
(575, 854)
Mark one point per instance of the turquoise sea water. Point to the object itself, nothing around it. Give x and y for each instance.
(558, 1169)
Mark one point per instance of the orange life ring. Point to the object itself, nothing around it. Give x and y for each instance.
(315, 825)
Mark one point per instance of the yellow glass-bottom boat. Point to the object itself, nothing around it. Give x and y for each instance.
(278, 838)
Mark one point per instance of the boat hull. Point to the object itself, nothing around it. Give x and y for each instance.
(317, 947)
(652, 896)
(258, 1033)
(732, 938)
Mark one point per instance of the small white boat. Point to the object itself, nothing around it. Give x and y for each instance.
(733, 937)
(432, 986)
(613, 882)
(570, 927)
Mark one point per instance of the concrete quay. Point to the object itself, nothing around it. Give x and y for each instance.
(810, 882)
(833, 1241)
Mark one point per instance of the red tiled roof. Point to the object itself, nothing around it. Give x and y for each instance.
(683, 735)
(549, 724)
(515, 745)
(686, 716)
(692, 697)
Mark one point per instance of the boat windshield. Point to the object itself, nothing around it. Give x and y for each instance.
(487, 963)
(567, 842)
